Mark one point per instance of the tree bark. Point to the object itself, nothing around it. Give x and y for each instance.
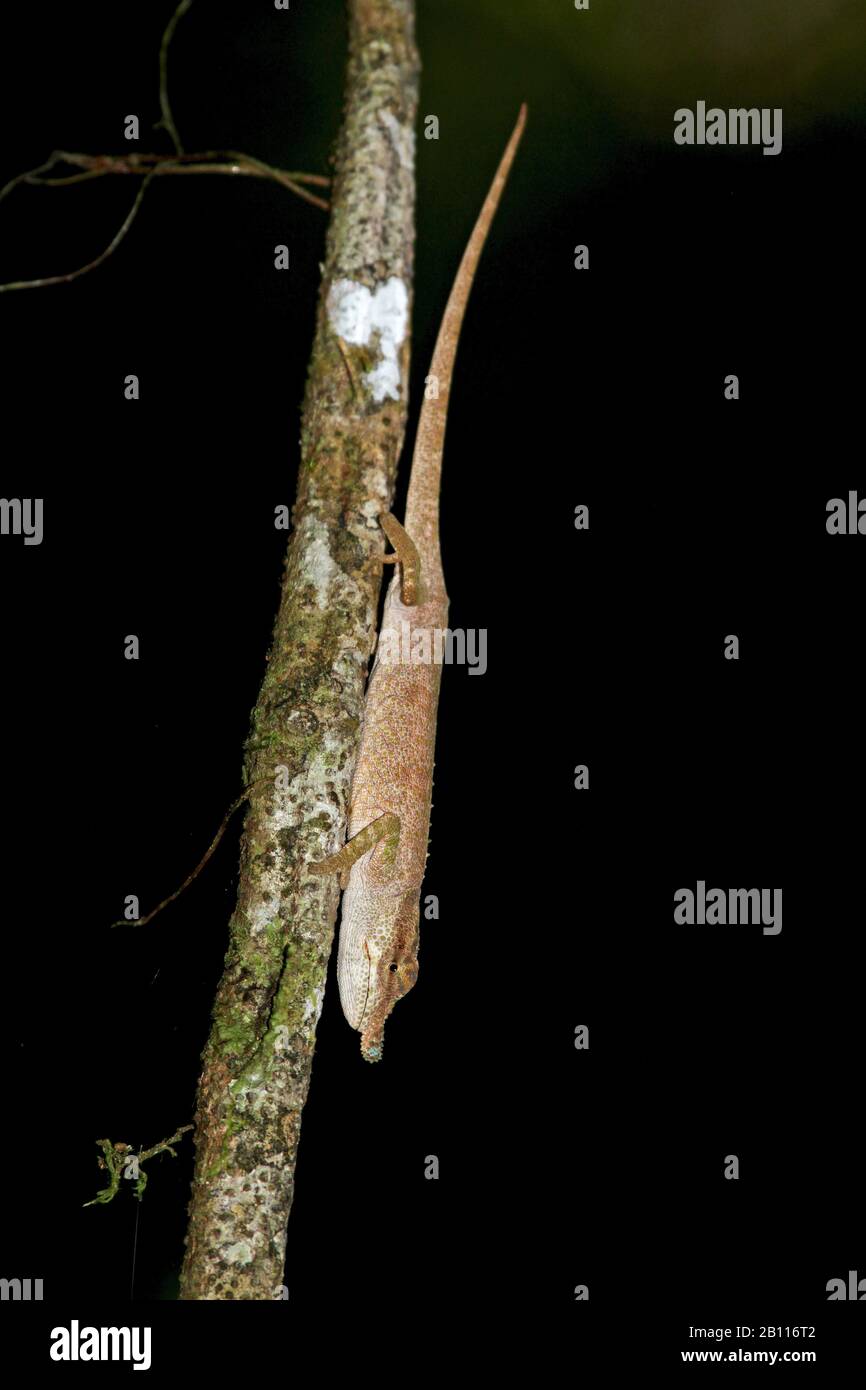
(301, 752)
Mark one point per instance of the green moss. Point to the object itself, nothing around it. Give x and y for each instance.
(263, 955)
(235, 1034)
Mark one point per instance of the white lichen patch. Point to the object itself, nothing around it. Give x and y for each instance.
(265, 911)
(373, 507)
(248, 1091)
(364, 318)
(313, 1007)
(402, 139)
(240, 1253)
(319, 566)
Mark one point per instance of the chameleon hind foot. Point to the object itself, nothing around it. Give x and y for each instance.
(385, 828)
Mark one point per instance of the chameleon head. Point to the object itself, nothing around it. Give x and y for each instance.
(390, 951)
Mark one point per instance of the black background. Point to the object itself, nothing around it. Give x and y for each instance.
(707, 517)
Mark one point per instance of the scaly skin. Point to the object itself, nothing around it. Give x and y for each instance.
(389, 818)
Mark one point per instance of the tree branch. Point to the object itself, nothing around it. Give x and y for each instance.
(305, 725)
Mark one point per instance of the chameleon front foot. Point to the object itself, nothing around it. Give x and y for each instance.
(406, 555)
(385, 828)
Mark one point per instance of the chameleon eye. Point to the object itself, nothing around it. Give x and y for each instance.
(393, 967)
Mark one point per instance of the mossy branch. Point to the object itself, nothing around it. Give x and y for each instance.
(258, 1057)
(121, 1161)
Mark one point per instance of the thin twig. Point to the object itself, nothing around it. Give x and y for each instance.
(99, 260)
(143, 921)
(167, 120)
(95, 166)
(268, 171)
(29, 175)
(136, 161)
(350, 371)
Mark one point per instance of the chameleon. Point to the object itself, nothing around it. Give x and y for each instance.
(382, 864)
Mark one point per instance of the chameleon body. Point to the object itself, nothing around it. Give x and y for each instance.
(383, 861)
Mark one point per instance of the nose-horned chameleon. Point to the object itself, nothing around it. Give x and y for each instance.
(383, 861)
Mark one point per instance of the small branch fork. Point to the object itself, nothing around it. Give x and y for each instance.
(147, 166)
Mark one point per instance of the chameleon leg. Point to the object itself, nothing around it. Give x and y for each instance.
(385, 828)
(406, 554)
